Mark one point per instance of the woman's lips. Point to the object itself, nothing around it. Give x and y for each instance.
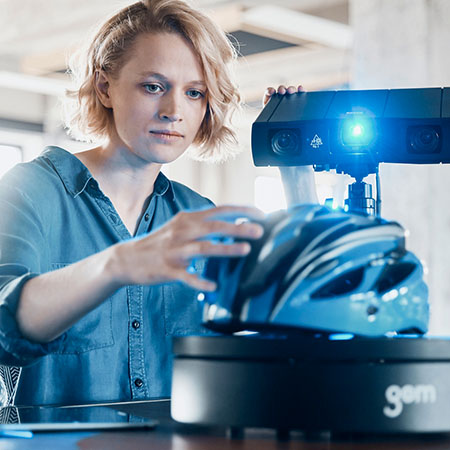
(166, 135)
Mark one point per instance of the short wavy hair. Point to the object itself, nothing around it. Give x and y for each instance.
(88, 120)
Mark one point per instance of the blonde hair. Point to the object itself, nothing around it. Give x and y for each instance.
(87, 119)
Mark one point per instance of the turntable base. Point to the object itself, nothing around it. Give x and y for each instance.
(367, 385)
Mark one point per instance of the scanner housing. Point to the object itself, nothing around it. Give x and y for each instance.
(354, 130)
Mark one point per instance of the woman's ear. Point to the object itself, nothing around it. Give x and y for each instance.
(102, 88)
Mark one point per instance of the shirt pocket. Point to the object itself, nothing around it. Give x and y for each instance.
(91, 332)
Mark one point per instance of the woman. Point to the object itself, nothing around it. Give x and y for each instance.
(97, 248)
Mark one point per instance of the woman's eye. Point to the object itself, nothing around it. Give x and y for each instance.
(152, 88)
(193, 93)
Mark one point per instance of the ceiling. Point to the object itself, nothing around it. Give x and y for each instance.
(292, 41)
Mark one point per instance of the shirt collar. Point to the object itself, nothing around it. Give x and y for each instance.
(76, 176)
(162, 185)
(73, 173)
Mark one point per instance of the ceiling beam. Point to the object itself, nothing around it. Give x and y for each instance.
(295, 26)
(314, 67)
(31, 83)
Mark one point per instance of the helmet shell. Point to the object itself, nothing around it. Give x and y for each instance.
(316, 269)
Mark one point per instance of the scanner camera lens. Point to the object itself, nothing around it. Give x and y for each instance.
(424, 139)
(285, 142)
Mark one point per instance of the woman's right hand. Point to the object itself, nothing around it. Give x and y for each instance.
(165, 254)
(51, 303)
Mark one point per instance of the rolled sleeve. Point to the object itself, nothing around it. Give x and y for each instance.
(15, 349)
(21, 244)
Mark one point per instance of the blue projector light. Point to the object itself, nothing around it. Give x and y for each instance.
(357, 132)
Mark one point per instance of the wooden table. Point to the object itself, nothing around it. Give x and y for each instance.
(174, 436)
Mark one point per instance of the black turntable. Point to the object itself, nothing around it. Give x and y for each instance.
(334, 383)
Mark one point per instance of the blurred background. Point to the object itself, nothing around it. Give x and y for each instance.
(321, 44)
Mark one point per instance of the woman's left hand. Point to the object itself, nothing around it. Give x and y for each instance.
(298, 182)
(282, 90)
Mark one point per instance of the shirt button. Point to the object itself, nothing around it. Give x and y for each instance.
(147, 217)
(138, 382)
(136, 324)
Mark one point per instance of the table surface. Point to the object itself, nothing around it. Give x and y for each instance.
(171, 435)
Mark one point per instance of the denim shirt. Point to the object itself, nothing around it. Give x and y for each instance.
(52, 214)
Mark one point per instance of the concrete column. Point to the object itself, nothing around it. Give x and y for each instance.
(406, 43)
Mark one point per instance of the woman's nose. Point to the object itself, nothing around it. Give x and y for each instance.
(169, 109)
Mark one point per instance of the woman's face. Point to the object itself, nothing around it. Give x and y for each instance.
(158, 98)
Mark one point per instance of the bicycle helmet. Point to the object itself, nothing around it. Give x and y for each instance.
(320, 270)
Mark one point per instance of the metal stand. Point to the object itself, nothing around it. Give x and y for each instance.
(360, 197)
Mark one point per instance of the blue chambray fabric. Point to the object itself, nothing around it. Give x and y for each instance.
(52, 214)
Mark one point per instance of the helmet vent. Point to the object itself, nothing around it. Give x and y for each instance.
(393, 275)
(344, 284)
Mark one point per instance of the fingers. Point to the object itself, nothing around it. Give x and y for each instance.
(269, 92)
(165, 254)
(221, 221)
(213, 229)
(208, 230)
(282, 90)
(194, 281)
(228, 212)
(207, 249)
